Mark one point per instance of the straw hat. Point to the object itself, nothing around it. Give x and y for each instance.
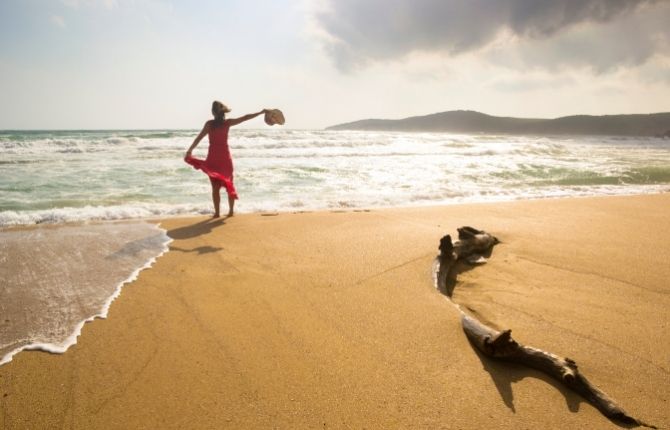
(274, 116)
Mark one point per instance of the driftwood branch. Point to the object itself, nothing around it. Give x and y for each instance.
(471, 246)
(500, 345)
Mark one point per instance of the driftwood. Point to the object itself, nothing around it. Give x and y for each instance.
(500, 345)
(472, 244)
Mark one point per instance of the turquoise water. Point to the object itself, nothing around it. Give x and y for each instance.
(58, 176)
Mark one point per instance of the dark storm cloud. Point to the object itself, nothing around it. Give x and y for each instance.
(364, 30)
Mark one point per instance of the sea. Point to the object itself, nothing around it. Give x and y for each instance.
(75, 205)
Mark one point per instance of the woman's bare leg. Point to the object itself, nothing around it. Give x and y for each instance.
(231, 205)
(216, 196)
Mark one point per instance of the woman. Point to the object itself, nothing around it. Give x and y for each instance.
(219, 164)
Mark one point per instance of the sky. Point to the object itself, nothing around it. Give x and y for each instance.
(154, 64)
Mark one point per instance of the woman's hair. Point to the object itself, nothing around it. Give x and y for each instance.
(219, 111)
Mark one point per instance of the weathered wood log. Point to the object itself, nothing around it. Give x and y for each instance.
(472, 244)
(500, 344)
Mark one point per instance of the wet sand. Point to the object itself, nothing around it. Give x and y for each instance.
(330, 320)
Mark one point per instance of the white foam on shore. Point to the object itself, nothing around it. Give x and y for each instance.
(65, 344)
(289, 203)
(100, 213)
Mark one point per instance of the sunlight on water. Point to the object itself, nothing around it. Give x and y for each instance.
(66, 176)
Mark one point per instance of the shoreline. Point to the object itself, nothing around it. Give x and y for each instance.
(330, 318)
(163, 217)
(35, 289)
(62, 347)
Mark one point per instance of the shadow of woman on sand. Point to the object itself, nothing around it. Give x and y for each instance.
(195, 230)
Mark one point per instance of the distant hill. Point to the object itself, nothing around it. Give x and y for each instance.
(464, 121)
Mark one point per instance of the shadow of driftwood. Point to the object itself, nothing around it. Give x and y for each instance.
(197, 229)
(504, 374)
(447, 285)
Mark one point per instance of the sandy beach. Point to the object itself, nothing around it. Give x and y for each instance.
(330, 320)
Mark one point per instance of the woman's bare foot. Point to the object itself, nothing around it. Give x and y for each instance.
(230, 214)
(216, 215)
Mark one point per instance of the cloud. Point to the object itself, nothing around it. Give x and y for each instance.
(530, 83)
(75, 4)
(374, 30)
(630, 41)
(110, 4)
(656, 71)
(58, 21)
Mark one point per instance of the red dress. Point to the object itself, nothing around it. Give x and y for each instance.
(219, 164)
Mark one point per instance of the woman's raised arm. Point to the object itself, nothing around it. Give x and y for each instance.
(235, 121)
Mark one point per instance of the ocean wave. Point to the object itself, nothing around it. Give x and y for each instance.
(457, 145)
(123, 174)
(260, 155)
(120, 140)
(151, 148)
(648, 175)
(333, 145)
(85, 140)
(20, 161)
(67, 143)
(543, 176)
(157, 135)
(99, 213)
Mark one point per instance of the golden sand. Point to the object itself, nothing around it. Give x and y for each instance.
(330, 320)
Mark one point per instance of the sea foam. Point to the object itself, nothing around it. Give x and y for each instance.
(56, 279)
(100, 213)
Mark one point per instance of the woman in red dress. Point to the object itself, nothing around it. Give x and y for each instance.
(219, 164)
